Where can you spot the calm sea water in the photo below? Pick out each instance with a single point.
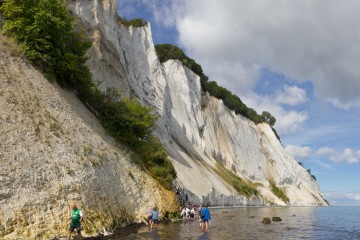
(245, 223)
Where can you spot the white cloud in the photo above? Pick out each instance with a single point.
(343, 196)
(291, 95)
(325, 151)
(298, 152)
(348, 155)
(346, 105)
(305, 40)
(343, 199)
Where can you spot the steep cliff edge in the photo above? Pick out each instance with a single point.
(54, 152)
(206, 142)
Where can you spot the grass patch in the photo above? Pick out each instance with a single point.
(280, 193)
(243, 187)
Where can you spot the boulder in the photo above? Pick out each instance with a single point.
(266, 220)
(276, 219)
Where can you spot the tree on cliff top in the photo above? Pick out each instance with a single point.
(168, 51)
(45, 29)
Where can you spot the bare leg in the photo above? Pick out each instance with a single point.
(68, 236)
(80, 236)
(206, 226)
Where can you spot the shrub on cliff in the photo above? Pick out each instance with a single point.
(168, 51)
(136, 22)
(154, 158)
(47, 33)
(127, 120)
(45, 30)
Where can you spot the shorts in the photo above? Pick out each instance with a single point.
(156, 221)
(149, 218)
(205, 220)
(77, 228)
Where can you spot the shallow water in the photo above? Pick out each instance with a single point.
(245, 223)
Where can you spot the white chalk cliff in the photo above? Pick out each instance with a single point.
(199, 132)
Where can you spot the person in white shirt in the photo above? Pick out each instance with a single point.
(185, 213)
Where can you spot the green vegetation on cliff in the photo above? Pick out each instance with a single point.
(48, 34)
(233, 102)
(168, 51)
(243, 187)
(136, 22)
(278, 192)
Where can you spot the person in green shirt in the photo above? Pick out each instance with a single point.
(75, 224)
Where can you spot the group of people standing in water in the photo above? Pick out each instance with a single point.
(201, 212)
(187, 214)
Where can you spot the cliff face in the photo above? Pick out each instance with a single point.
(54, 152)
(200, 133)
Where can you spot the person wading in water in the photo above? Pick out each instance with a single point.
(155, 217)
(205, 218)
(75, 224)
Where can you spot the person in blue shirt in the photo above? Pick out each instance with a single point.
(155, 217)
(205, 217)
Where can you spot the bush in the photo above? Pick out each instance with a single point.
(127, 120)
(168, 51)
(151, 155)
(136, 22)
(46, 31)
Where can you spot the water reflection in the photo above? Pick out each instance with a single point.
(245, 223)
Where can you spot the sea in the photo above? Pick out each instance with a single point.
(246, 223)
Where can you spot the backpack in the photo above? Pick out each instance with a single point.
(202, 214)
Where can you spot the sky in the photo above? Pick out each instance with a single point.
(296, 59)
